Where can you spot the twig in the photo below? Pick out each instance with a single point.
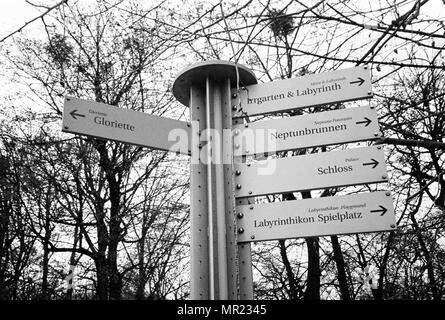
(36, 18)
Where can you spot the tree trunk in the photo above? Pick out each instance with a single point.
(77, 237)
(114, 237)
(341, 272)
(378, 293)
(313, 272)
(100, 259)
(46, 240)
(102, 278)
(293, 292)
(5, 211)
(293, 286)
(45, 261)
(110, 284)
(426, 254)
(140, 291)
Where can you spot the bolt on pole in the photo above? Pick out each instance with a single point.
(244, 254)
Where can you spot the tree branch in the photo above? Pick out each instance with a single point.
(36, 18)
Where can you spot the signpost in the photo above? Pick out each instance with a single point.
(366, 212)
(220, 230)
(317, 129)
(109, 122)
(312, 171)
(311, 90)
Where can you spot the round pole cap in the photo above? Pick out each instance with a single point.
(217, 70)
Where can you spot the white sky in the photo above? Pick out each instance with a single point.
(15, 13)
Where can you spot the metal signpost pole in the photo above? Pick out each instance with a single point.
(205, 88)
(228, 217)
(244, 249)
(198, 203)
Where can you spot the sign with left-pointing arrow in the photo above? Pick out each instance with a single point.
(109, 122)
(316, 129)
(302, 92)
(316, 217)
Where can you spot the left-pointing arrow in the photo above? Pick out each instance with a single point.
(382, 210)
(75, 115)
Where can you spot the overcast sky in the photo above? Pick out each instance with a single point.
(15, 13)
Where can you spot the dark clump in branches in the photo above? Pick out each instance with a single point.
(281, 24)
(59, 49)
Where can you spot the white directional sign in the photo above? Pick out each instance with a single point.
(367, 212)
(317, 129)
(110, 122)
(306, 91)
(313, 171)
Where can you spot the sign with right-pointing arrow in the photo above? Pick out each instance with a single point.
(306, 91)
(312, 171)
(365, 212)
(317, 129)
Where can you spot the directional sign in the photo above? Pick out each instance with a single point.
(367, 212)
(317, 129)
(110, 122)
(313, 171)
(302, 92)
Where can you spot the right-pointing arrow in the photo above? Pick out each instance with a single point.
(360, 81)
(374, 163)
(367, 121)
(382, 210)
